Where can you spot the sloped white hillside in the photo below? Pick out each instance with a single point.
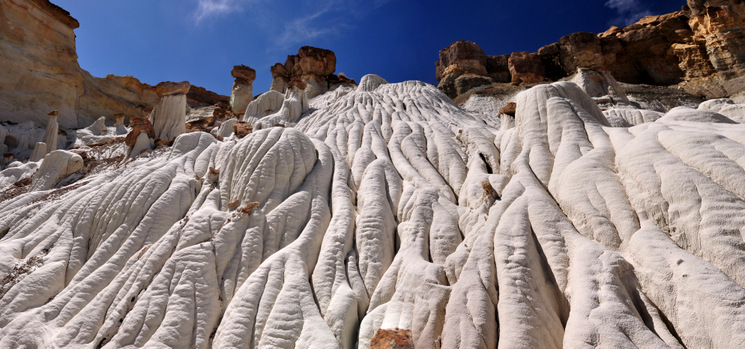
(388, 207)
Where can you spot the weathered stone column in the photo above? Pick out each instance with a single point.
(242, 92)
(50, 135)
(169, 116)
(119, 124)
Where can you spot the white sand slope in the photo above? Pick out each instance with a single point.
(389, 207)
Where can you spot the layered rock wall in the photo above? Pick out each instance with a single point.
(698, 48)
(40, 71)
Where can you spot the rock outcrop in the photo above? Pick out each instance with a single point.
(41, 72)
(719, 25)
(311, 69)
(242, 92)
(699, 49)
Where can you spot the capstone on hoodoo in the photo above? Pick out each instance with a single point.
(311, 69)
(242, 92)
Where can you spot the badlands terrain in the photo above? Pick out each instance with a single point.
(569, 203)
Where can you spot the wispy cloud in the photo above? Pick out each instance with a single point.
(214, 8)
(629, 11)
(303, 29)
(289, 23)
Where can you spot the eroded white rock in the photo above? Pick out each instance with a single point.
(57, 165)
(389, 207)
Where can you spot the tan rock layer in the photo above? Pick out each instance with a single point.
(699, 47)
(41, 72)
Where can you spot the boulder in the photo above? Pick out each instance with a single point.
(139, 125)
(241, 129)
(56, 166)
(392, 339)
(311, 61)
(201, 97)
(243, 74)
(509, 109)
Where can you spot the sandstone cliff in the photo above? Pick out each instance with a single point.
(41, 73)
(698, 49)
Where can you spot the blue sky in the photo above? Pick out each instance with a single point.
(201, 40)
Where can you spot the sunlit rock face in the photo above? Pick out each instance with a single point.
(40, 72)
(386, 214)
(698, 49)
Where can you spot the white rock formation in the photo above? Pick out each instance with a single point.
(315, 86)
(50, 135)
(293, 104)
(98, 127)
(119, 124)
(625, 117)
(9, 176)
(267, 103)
(389, 207)
(142, 143)
(40, 150)
(242, 92)
(225, 129)
(601, 86)
(56, 166)
(3, 134)
(370, 82)
(169, 116)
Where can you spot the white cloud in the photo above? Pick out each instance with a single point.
(290, 23)
(212, 8)
(302, 29)
(629, 11)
